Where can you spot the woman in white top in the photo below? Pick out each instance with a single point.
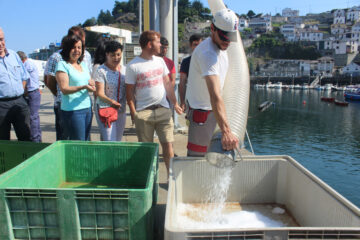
(110, 91)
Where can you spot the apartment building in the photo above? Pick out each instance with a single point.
(352, 69)
(339, 16)
(353, 14)
(260, 25)
(288, 12)
(310, 35)
(290, 32)
(243, 23)
(338, 28)
(325, 66)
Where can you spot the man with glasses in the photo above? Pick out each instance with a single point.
(208, 69)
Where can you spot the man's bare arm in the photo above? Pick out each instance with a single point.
(50, 82)
(229, 140)
(171, 94)
(130, 98)
(182, 90)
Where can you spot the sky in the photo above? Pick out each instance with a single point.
(33, 24)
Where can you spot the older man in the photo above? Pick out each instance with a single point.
(13, 107)
(32, 96)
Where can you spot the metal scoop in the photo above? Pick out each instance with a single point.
(219, 157)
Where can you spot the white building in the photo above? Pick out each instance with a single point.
(341, 46)
(355, 36)
(312, 26)
(289, 32)
(311, 35)
(339, 16)
(356, 28)
(122, 35)
(325, 66)
(338, 28)
(305, 67)
(243, 23)
(328, 43)
(288, 12)
(295, 20)
(260, 25)
(351, 69)
(353, 14)
(285, 68)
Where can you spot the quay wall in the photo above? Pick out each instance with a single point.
(338, 80)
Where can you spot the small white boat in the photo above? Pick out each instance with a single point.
(305, 87)
(277, 85)
(328, 87)
(269, 85)
(297, 86)
(259, 86)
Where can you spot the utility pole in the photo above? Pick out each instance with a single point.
(140, 17)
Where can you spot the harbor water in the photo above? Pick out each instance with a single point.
(323, 137)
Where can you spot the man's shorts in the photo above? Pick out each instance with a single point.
(149, 120)
(201, 129)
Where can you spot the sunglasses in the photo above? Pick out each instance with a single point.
(226, 36)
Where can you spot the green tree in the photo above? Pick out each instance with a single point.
(184, 10)
(105, 18)
(89, 22)
(250, 14)
(125, 7)
(198, 7)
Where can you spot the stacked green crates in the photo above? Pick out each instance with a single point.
(13, 153)
(81, 190)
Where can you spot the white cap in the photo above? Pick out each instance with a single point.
(226, 20)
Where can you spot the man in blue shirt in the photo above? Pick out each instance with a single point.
(32, 96)
(13, 107)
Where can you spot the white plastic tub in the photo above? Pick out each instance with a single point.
(314, 209)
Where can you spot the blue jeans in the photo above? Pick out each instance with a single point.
(77, 124)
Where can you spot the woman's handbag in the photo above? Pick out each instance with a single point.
(109, 114)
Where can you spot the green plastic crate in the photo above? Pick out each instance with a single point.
(13, 153)
(81, 190)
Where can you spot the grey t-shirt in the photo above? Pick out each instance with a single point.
(110, 79)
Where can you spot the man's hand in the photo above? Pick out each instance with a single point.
(229, 141)
(132, 115)
(183, 107)
(178, 109)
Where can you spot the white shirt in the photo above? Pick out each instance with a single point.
(207, 59)
(147, 75)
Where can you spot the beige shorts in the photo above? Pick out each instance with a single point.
(159, 120)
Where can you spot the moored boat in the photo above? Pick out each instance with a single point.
(327, 99)
(265, 105)
(341, 103)
(352, 95)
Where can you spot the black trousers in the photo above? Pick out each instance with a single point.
(16, 112)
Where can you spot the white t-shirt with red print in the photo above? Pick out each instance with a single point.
(147, 76)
